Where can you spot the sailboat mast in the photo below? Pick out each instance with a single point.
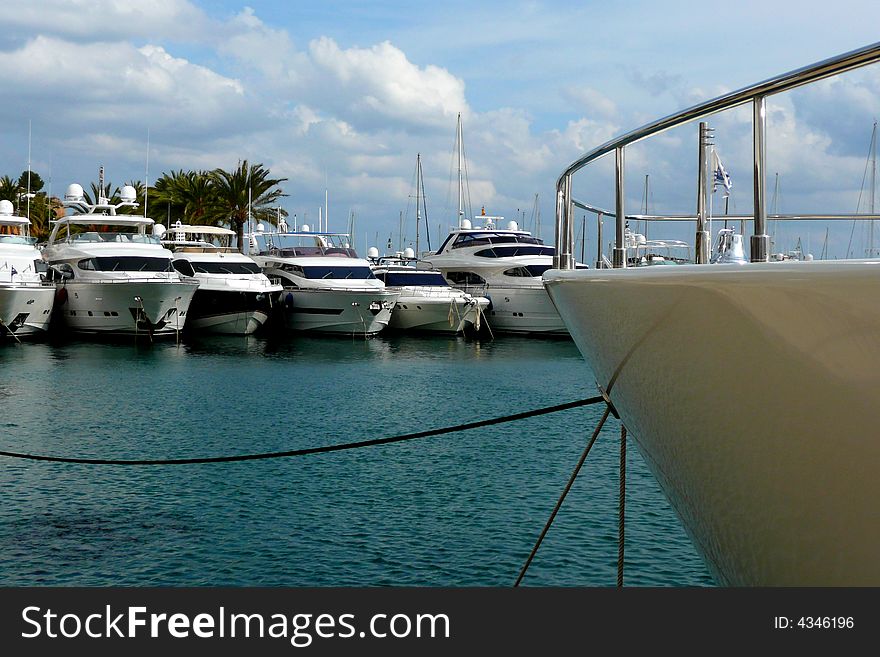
(418, 207)
(460, 190)
(425, 207)
(873, 187)
(29, 171)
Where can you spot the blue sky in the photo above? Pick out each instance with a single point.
(346, 93)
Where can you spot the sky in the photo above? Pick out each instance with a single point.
(342, 95)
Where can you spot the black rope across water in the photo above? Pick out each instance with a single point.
(312, 450)
(574, 474)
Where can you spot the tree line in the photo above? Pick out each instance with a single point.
(213, 198)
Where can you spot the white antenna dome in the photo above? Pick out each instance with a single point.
(409, 253)
(512, 225)
(6, 207)
(466, 224)
(128, 194)
(74, 193)
(372, 252)
(158, 230)
(305, 228)
(260, 228)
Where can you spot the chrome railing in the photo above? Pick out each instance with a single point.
(755, 94)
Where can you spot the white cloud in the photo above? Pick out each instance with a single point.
(591, 102)
(368, 85)
(102, 20)
(95, 86)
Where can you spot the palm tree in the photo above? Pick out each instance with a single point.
(9, 189)
(234, 189)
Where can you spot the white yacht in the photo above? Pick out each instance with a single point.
(427, 302)
(112, 275)
(25, 300)
(505, 265)
(234, 296)
(750, 388)
(327, 287)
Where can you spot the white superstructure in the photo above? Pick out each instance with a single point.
(112, 275)
(25, 300)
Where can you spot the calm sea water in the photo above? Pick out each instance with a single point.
(455, 510)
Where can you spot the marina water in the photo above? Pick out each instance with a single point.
(461, 509)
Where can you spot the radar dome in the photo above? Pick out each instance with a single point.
(6, 207)
(305, 228)
(372, 252)
(128, 194)
(260, 228)
(512, 225)
(158, 230)
(409, 253)
(74, 193)
(466, 224)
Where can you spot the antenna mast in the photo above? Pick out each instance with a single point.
(418, 207)
(460, 190)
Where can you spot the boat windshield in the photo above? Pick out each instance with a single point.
(403, 278)
(330, 272)
(487, 237)
(226, 267)
(125, 263)
(17, 239)
(513, 251)
(295, 244)
(108, 236)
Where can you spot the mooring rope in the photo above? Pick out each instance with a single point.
(574, 474)
(316, 450)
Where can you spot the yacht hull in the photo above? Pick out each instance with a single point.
(521, 309)
(752, 392)
(436, 314)
(230, 312)
(25, 309)
(350, 312)
(151, 306)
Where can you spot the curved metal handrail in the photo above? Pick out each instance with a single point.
(755, 93)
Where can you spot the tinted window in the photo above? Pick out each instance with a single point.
(408, 278)
(511, 251)
(465, 278)
(128, 263)
(226, 267)
(338, 273)
(183, 267)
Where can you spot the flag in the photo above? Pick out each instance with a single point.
(721, 176)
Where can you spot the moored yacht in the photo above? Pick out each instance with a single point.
(112, 275)
(234, 296)
(327, 287)
(427, 302)
(750, 388)
(25, 300)
(505, 265)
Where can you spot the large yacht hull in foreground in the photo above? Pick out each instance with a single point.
(752, 392)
